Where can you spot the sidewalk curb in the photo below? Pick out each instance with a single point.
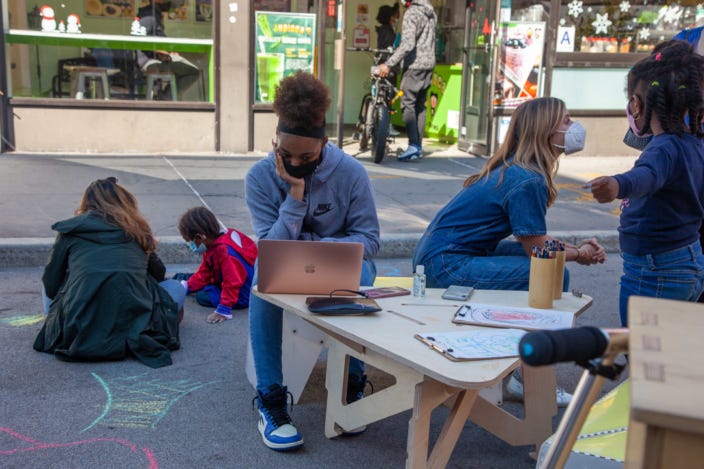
(34, 252)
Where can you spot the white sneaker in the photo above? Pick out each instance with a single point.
(514, 390)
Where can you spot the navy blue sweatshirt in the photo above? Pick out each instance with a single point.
(663, 196)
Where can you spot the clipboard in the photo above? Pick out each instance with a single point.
(475, 344)
(529, 319)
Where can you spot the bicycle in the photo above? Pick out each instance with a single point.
(593, 349)
(375, 113)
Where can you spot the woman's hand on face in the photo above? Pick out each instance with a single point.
(298, 185)
(604, 188)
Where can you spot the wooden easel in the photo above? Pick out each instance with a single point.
(666, 428)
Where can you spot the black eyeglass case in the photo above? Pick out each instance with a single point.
(342, 305)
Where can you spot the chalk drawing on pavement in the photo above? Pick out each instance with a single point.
(23, 320)
(136, 402)
(29, 445)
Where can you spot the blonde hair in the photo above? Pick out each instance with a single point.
(528, 142)
(117, 206)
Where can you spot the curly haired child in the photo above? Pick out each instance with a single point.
(224, 278)
(663, 195)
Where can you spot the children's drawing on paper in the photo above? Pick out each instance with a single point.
(523, 318)
(72, 453)
(476, 344)
(140, 402)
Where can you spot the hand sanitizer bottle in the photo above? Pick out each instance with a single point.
(419, 282)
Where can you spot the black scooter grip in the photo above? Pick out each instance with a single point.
(564, 345)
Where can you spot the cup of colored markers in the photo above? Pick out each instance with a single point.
(542, 278)
(558, 250)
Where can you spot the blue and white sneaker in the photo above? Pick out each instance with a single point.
(412, 153)
(278, 433)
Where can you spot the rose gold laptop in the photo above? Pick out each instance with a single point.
(309, 267)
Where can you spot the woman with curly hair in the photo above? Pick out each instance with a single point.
(103, 298)
(306, 189)
(662, 197)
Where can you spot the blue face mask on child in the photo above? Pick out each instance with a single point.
(197, 249)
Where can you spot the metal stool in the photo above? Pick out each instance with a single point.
(96, 79)
(159, 80)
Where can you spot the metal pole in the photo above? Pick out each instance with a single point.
(7, 128)
(340, 50)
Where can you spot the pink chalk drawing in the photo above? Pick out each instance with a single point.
(30, 445)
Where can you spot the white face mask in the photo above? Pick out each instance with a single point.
(575, 136)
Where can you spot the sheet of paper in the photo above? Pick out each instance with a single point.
(522, 318)
(475, 344)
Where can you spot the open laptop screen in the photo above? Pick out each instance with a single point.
(308, 267)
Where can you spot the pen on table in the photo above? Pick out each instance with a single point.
(429, 304)
(406, 317)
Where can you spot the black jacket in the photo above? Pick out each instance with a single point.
(105, 305)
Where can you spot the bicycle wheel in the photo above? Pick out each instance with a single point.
(381, 132)
(363, 125)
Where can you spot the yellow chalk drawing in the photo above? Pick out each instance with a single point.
(24, 320)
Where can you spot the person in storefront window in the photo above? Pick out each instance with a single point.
(467, 241)
(387, 17)
(306, 189)
(151, 16)
(417, 51)
(663, 195)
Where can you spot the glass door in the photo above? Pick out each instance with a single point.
(478, 81)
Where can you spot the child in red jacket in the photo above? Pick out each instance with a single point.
(224, 278)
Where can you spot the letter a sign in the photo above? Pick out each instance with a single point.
(565, 39)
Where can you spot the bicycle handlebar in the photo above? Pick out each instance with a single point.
(368, 49)
(578, 344)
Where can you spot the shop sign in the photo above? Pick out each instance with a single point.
(565, 39)
(284, 44)
(520, 62)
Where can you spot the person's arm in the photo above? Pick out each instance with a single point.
(408, 41)
(234, 275)
(362, 223)
(407, 44)
(201, 278)
(275, 214)
(587, 253)
(526, 206)
(649, 175)
(57, 267)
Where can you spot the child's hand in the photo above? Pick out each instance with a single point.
(222, 313)
(604, 188)
(215, 318)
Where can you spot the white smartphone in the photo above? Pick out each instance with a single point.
(457, 292)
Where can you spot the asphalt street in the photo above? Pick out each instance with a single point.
(198, 412)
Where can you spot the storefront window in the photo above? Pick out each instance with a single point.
(621, 27)
(111, 49)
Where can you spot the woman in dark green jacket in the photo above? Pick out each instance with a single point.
(106, 303)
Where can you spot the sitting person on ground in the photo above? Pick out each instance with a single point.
(306, 189)
(466, 243)
(103, 300)
(224, 279)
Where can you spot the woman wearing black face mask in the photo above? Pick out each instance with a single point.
(306, 189)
